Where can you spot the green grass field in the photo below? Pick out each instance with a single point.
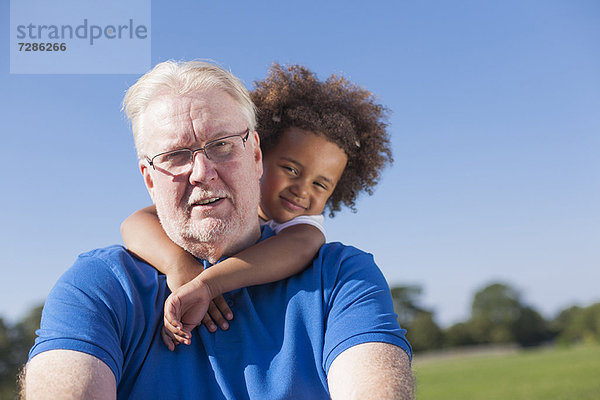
(550, 373)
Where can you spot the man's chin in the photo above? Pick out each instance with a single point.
(208, 230)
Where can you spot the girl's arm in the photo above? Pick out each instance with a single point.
(143, 235)
(273, 259)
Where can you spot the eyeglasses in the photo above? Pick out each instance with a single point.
(219, 150)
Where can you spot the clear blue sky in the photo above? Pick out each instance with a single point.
(495, 131)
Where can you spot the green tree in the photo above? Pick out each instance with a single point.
(8, 372)
(5, 364)
(460, 334)
(563, 319)
(15, 342)
(406, 303)
(424, 333)
(499, 316)
(576, 325)
(494, 312)
(24, 335)
(531, 328)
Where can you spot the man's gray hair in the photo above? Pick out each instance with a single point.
(181, 78)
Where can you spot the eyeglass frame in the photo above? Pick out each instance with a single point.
(244, 136)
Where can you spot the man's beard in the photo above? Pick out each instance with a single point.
(196, 234)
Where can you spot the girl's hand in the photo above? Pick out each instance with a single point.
(188, 307)
(184, 310)
(218, 315)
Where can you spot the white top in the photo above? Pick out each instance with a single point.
(315, 220)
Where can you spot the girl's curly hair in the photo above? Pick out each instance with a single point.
(342, 112)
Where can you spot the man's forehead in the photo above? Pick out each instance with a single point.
(197, 116)
(192, 105)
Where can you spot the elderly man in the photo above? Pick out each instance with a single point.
(329, 331)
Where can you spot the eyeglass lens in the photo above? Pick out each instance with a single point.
(221, 150)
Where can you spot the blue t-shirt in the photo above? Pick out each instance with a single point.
(281, 343)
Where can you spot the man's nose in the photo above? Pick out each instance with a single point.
(203, 170)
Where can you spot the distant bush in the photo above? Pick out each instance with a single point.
(578, 325)
(15, 342)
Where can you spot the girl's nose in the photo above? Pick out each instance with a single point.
(299, 189)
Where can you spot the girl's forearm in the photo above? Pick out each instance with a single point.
(273, 259)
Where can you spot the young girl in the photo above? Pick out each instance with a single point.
(323, 143)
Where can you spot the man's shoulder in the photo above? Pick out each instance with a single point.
(115, 255)
(337, 260)
(108, 252)
(109, 275)
(333, 251)
(113, 260)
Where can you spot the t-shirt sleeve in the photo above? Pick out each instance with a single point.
(82, 315)
(318, 221)
(359, 306)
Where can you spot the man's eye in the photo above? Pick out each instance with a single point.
(220, 149)
(176, 158)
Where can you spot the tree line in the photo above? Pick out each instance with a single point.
(15, 342)
(498, 316)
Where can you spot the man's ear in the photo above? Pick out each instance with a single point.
(257, 153)
(145, 171)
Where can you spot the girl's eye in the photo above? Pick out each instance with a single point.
(290, 169)
(319, 184)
